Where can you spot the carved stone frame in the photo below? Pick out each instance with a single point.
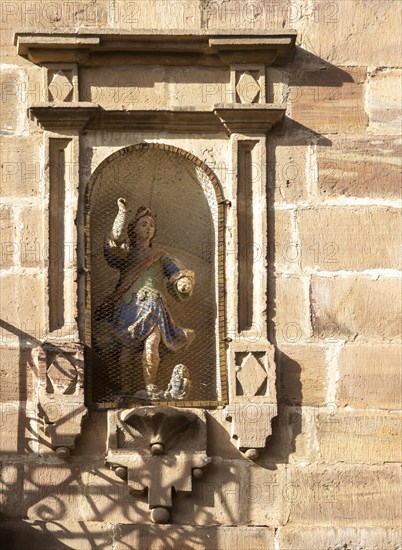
(219, 252)
(246, 120)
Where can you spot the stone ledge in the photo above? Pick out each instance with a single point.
(175, 48)
(91, 116)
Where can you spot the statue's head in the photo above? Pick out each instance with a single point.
(142, 227)
(180, 370)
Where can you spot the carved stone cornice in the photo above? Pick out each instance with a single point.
(222, 119)
(174, 48)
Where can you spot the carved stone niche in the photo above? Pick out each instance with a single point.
(157, 449)
(216, 142)
(61, 394)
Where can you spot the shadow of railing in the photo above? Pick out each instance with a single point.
(84, 491)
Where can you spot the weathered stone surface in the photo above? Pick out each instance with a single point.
(349, 308)
(40, 16)
(347, 32)
(16, 374)
(139, 537)
(32, 251)
(277, 449)
(343, 495)
(233, 492)
(12, 428)
(59, 535)
(220, 442)
(303, 374)
(288, 299)
(165, 444)
(352, 538)
(13, 101)
(370, 376)
(93, 437)
(231, 14)
(22, 305)
(63, 416)
(155, 14)
(360, 166)
(287, 170)
(282, 246)
(385, 91)
(294, 437)
(8, 238)
(346, 237)
(252, 421)
(358, 436)
(20, 165)
(325, 500)
(18, 428)
(83, 491)
(351, 31)
(161, 87)
(329, 100)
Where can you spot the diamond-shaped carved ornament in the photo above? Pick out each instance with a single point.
(247, 88)
(251, 375)
(62, 374)
(60, 87)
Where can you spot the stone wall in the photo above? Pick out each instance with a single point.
(330, 475)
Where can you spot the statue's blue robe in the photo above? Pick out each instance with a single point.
(143, 306)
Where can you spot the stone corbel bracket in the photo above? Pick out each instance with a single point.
(61, 393)
(253, 402)
(157, 449)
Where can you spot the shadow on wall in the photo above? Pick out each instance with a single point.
(14, 414)
(81, 489)
(284, 186)
(20, 535)
(313, 82)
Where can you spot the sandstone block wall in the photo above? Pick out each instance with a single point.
(330, 475)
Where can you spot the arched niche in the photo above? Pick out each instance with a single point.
(185, 197)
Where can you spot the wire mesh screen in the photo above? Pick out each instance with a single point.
(154, 323)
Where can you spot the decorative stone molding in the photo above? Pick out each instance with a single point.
(252, 395)
(156, 450)
(248, 88)
(222, 119)
(175, 48)
(61, 80)
(61, 393)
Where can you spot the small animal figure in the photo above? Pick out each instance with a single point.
(179, 385)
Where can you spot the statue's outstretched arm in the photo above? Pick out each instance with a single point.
(116, 241)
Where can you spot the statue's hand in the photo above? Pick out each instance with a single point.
(184, 285)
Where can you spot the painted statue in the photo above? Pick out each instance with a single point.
(137, 309)
(179, 385)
